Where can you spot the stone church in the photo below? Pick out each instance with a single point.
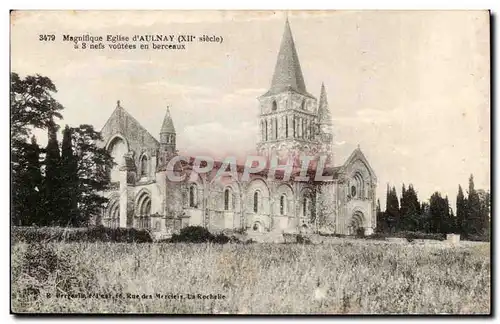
(292, 122)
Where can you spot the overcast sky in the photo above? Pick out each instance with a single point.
(411, 88)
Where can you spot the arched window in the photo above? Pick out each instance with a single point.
(144, 166)
(117, 149)
(256, 202)
(143, 211)
(358, 187)
(303, 106)
(275, 105)
(192, 196)
(283, 205)
(112, 214)
(276, 128)
(306, 206)
(227, 195)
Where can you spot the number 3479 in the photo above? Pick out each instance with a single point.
(46, 38)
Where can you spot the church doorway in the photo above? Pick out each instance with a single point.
(356, 224)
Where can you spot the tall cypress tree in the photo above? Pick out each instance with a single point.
(50, 214)
(473, 220)
(34, 178)
(26, 183)
(381, 221)
(69, 185)
(392, 209)
(411, 208)
(403, 209)
(437, 209)
(448, 219)
(461, 212)
(485, 205)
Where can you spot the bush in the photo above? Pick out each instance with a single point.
(477, 238)
(199, 234)
(332, 235)
(303, 239)
(360, 232)
(90, 234)
(377, 236)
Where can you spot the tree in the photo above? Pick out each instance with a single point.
(392, 209)
(27, 181)
(70, 181)
(425, 217)
(403, 202)
(461, 212)
(410, 210)
(440, 218)
(381, 221)
(93, 165)
(31, 106)
(485, 209)
(473, 220)
(52, 184)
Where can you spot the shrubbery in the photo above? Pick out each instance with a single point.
(410, 236)
(90, 234)
(198, 234)
(477, 238)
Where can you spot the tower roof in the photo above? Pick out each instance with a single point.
(168, 124)
(324, 116)
(287, 72)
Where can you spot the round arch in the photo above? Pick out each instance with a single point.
(357, 222)
(143, 209)
(112, 212)
(117, 146)
(113, 138)
(284, 199)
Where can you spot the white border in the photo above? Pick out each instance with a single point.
(187, 4)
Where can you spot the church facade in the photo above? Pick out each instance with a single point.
(292, 123)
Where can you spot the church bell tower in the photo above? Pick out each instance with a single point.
(288, 121)
(167, 134)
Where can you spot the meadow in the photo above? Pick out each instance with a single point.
(341, 277)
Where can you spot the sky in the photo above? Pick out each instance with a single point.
(411, 89)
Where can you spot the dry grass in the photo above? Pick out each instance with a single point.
(345, 277)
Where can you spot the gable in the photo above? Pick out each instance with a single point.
(138, 139)
(357, 162)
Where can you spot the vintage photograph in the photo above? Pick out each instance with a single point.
(250, 162)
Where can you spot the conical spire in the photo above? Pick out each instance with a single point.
(168, 124)
(324, 116)
(287, 73)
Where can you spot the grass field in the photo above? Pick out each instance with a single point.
(342, 278)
